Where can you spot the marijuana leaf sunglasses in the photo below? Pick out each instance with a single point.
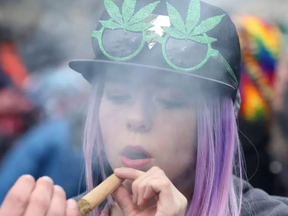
(157, 28)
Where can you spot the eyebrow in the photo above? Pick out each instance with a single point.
(117, 77)
(161, 80)
(175, 82)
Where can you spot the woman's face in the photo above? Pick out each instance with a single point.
(147, 121)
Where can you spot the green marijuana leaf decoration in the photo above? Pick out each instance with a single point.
(190, 28)
(174, 32)
(111, 24)
(207, 25)
(113, 11)
(193, 18)
(143, 13)
(128, 9)
(203, 39)
(128, 20)
(176, 19)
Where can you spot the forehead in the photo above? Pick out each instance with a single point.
(146, 77)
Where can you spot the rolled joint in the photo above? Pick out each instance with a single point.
(84, 207)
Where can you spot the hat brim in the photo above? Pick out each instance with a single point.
(89, 68)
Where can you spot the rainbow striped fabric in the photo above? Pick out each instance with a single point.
(261, 47)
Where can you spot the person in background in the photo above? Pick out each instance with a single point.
(261, 45)
(44, 41)
(17, 112)
(53, 147)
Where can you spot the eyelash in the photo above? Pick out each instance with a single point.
(170, 104)
(118, 99)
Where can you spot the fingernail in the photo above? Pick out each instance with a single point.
(71, 204)
(47, 179)
(29, 177)
(117, 169)
(145, 195)
(58, 188)
(139, 201)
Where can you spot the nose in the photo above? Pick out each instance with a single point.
(138, 119)
(138, 125)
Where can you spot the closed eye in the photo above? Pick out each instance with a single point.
(171, 103)
(118, 98)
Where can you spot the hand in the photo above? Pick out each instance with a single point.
(146, 186)
(41, 198)
(13, 102)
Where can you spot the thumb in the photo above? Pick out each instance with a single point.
(124, 200)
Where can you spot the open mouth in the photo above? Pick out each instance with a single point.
(135, 153)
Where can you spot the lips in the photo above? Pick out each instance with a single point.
(135, 157)
(135, 152)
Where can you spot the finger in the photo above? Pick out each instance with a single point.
(40, 198)
(167, 203)
(128, 173)
(164, 190)
(124, 200)
(71, 208)
(138, 176)
(141, 188)
(138, 186)
(58, 203)
(149, 192)
(17, 198)
(131, 174)
(152, 210)
(170, 200)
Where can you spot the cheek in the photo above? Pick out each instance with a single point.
(178, 141)
(111, 125)
(180, 129)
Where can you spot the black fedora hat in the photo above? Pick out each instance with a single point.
(187, 37)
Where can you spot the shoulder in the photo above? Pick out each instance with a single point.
(258, 203)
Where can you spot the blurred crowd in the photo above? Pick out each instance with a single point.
(42, 104)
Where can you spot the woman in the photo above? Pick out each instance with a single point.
(161, 115)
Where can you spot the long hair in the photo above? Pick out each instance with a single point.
(218, 156)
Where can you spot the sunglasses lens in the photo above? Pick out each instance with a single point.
(121, 44)
(185, 53)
